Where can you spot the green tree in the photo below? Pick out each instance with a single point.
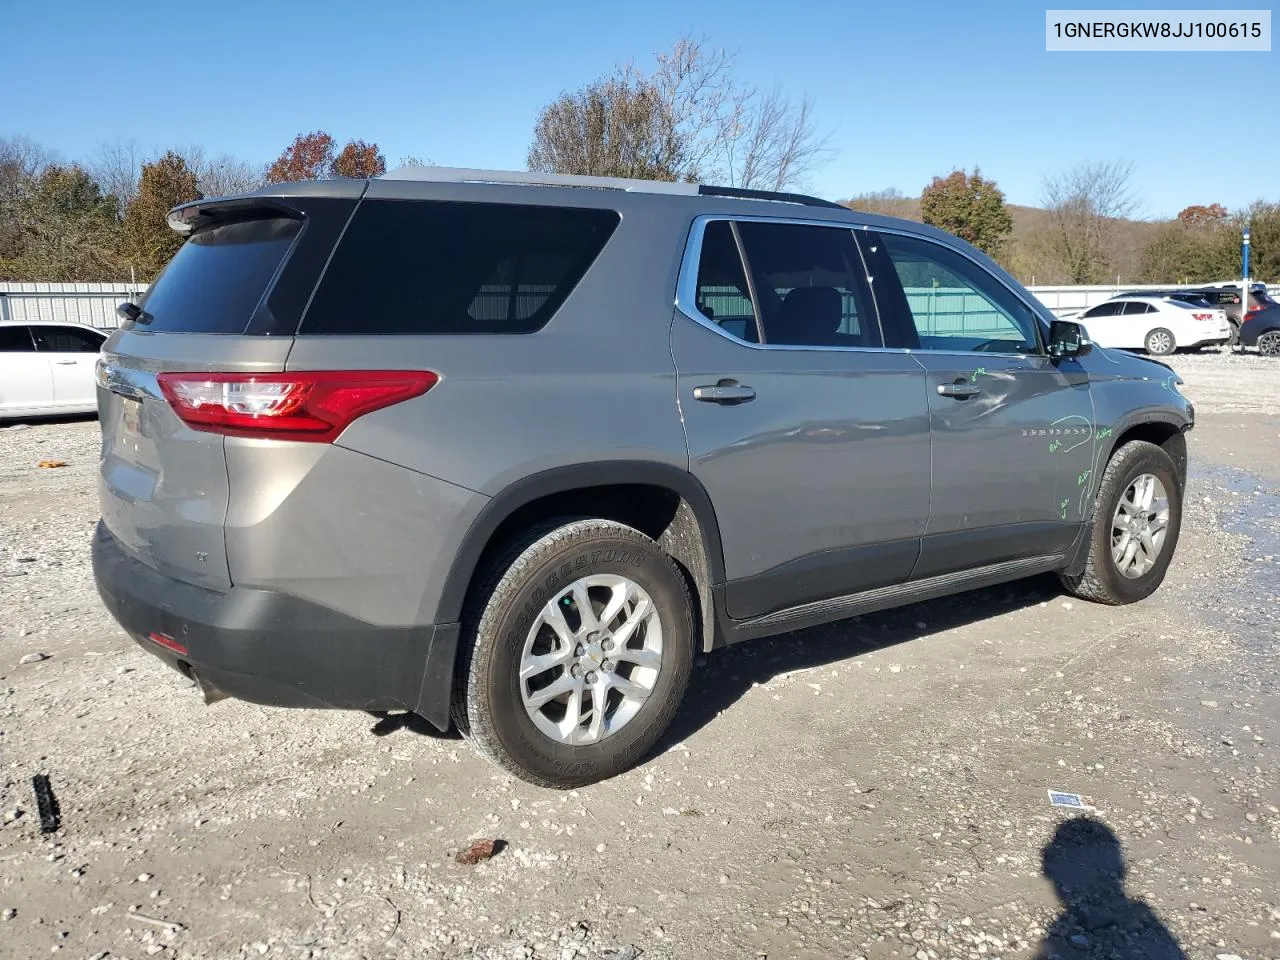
(64, 229)
(149, 241)
(970, 206)
(1263, 220)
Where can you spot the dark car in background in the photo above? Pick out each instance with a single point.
(1262, 330)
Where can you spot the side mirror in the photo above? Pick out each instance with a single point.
(1068, 339)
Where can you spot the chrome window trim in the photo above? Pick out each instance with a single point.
(687, 286)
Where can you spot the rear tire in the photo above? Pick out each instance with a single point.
(620, 680)
(1269, 343)
(1107, 578)
(1233, 339)
(1160, 343)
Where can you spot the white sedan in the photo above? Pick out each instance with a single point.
(47, 368)
(1157, 325)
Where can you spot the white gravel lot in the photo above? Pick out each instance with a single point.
(876, 788)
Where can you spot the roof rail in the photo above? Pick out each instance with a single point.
(518, 177)
(742, 193)
(465, 175)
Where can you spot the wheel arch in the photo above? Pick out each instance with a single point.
(664, 502)
(1164, 430)
(1161, 428)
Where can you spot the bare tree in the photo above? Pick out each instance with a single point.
(116, 166)
(774, 143)
(23, 156)
(1084, 203)
(689, 119)
(225, 175)
(221, 176)
(22, 160)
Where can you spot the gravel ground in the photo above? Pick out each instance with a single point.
(876, 788)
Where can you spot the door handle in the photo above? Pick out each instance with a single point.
(725, 391)
(66, 363)
(960, 390)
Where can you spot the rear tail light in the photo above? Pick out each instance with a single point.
(313, 406)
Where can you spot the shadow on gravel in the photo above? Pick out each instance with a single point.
(389, 723)
(22, 423)
(1085, 864)
(730, 673)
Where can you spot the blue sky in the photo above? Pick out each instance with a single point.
(907, 89)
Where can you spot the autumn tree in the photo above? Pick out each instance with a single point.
(969, 206)
(688, 119)
(163, 185)
(359, 160)
(1196, 215)
(309, 157)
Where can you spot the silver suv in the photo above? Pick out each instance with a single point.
(509, 451)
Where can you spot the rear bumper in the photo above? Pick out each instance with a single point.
(275, 649)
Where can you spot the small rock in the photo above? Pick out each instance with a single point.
(33, 658)
(144, 877)
(9, 913)
(1066, 605)
(1251, 817)
(1228, 956)
(1080, 941)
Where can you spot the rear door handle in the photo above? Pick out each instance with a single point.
(726, 391)
(66, 363)
(960, 390)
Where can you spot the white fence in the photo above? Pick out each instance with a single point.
(95, 303)
(89, 303)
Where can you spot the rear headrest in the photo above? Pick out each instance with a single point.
(811, 315)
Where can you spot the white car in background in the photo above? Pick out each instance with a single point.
(48, 368)
(1158, 325)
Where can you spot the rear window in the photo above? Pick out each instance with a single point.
(216, 280)
(431, 267)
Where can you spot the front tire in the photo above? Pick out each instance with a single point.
(582, 646)
(1160, 342)
(1136, 520)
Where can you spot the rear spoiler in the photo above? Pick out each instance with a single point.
(203, 213)
(270, 201)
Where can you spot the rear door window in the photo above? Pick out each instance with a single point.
(723, 294)
(432, 267)
(16, 340)
(811, 285)
(216, 280)
(54, 339)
